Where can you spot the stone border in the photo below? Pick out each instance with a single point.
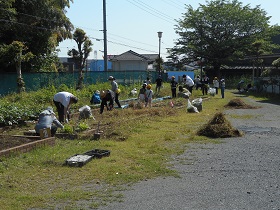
(29, 146)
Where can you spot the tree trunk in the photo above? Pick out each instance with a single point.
(20, 82)
(80, 80)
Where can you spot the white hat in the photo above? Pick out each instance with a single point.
(110, 78)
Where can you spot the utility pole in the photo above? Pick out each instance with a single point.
(105, 37)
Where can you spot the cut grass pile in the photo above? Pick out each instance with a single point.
(218, 127)
(237, 103)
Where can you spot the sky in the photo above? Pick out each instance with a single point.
(133, 24)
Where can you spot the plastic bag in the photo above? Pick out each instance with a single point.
(85, 112)
(197, 103)
(212, 91)
(191, 108)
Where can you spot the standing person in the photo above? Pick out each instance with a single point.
(142, 93)
(223, 87)
(189, 83)
(107, 96)
(149, 96)
(197, 82)
(173, 85)
(216, 84)
(148, 81)
(47, 119)
(115, 89)
(158, 84)
(63, 101)
(205, 84)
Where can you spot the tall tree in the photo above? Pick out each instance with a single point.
(220, 30)
(16, 54)
(81, 54)
(41, 25)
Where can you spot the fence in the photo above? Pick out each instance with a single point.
(35, 81)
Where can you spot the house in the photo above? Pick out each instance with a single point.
(132, 61)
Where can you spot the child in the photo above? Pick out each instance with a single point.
(149, 96)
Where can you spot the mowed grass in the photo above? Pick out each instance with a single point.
(39, 179)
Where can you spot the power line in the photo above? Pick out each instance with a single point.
(151, 12)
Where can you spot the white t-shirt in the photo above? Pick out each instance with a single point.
(63, 98)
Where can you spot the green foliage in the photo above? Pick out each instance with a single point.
(82, 126)
(41, 34)
(219, 30)
(68, 129)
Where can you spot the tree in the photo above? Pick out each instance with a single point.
(41, 25)
(220, 31)
(15, 53)
(81, 54)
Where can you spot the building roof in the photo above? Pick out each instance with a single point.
(133, 56)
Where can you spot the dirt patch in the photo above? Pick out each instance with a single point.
(7, 142)
(237, 103)
(218, 127)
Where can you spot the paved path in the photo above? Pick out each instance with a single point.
(241, 173)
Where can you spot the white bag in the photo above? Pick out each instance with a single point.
(212, 91)
(85, 112)
(191, 108)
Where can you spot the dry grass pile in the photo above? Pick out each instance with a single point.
(218, 127)
(237, 103)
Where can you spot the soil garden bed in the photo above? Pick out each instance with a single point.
(20, 144)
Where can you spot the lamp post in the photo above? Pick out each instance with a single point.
(105, 36)
(159, 39)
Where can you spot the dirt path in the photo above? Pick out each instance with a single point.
(240, 173)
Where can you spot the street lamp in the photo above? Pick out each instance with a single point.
(159, 37)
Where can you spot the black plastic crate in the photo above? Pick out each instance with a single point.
(98, 153)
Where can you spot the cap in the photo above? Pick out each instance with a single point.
(110, 78)
(173, 77)
(103, 93)
(97, 92)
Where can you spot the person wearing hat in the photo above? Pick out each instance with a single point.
(115, 89)
(95, 99)
(47, 119)
(216, 84)
(173, 85)
(107, 96)
(63, 101)
(149, 96)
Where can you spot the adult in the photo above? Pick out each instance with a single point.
(205, 84)
(216, 84)
(63, 101)
(95, 99)
(184, 92)
(142, 93)
(158, 84)
(189, 83)
(197, 82)
(223, 87)
(173, 85)
(115, 89)
(148, 81)
(107, 96)
(47, 119)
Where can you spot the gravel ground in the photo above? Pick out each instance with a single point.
(240, 173)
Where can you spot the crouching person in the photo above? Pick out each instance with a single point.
(47, 119)
(107, 96)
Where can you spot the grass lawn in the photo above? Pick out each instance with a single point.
(141, 142)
